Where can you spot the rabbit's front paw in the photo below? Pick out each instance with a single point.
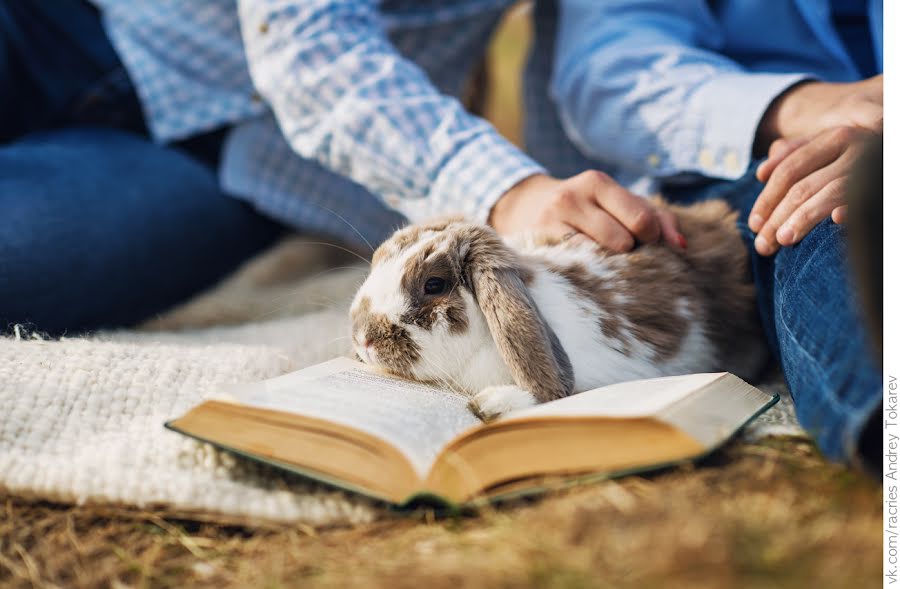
(497, 401)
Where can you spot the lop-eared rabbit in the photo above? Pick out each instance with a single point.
(514, 322)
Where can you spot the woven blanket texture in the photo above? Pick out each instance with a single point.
(82, 419)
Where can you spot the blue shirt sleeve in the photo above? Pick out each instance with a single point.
(345, 97)
(643, 85)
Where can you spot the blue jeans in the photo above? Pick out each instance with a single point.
(99, 226)
(812, 324)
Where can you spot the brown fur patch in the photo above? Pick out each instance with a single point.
(601, 293)
(410, 235)
(393, 345)
(655, 284)
(426, 309)
(640, 300)
(483, 249)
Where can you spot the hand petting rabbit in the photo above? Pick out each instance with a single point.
(520, 321)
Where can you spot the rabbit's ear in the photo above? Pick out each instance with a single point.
(529, 347)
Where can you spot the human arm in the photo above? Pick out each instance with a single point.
(636, 81)
(815, 133)
(344, 97)
(809, 108)
(644, 85)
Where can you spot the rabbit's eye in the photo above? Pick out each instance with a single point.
(435, 285)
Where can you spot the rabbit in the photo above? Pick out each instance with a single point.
(525, 320)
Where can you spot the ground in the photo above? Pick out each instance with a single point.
(772, 514)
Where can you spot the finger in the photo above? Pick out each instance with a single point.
(839, 215)
(780, 149)
(767, 242)
(604, 229)
(796, 166)
(812, 212)
(828, 183)
(671, 233)
(799, 194)
(636, 214)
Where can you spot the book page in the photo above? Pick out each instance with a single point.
(637, 398)
(712, 416)
(417, 419)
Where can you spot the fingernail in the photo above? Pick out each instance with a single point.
(682, 242)
(755, 222)
(762, 245)
(785, 235)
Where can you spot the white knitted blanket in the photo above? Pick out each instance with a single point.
(81, 418)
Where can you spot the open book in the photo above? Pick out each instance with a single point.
(343, 423)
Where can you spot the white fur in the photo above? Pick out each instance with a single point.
(696, 353)
(499, 400)
(468, 361)
(383, 288)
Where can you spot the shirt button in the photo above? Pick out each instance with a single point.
(255, 97)
(264, 27)
(732, 163)
(653, 160)
(706, 158)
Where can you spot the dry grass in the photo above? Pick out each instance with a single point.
(769, 515)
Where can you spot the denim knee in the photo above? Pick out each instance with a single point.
(824, 346)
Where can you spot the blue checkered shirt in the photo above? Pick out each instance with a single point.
(327, 102)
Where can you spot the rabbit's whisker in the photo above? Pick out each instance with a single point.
(458, 387)
(336, 246)
(348, 223)
(299, 289)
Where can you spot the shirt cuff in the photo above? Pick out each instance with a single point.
(726, 113)
(474, 179)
